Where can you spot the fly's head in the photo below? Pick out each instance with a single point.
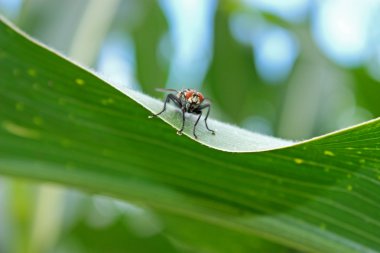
(193, 99)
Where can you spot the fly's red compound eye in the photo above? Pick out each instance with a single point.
(189, 94)
(194, 96)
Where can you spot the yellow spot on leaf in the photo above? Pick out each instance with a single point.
(328, 153)
(69, 166)
(349, 187)
(61, 101)
(107, 101)
(106, 152)
(20, 107)
(65, 143)
(362, 161)
(79, 81)
(32, 72)
(20, 130)
(298, 160)
(38, 121)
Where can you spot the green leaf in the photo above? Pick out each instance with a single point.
(61, 123)
(147, 36)
(234, 66)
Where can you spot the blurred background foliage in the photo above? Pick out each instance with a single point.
(293, 69)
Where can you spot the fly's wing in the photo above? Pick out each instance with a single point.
(165, 90)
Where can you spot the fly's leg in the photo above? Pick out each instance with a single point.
(196, 123)
(208, 112)
(169, 97)
(179, 132)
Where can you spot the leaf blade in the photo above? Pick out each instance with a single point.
(62, 123)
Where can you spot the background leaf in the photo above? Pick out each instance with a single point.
(62, 123)
(147, 36)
